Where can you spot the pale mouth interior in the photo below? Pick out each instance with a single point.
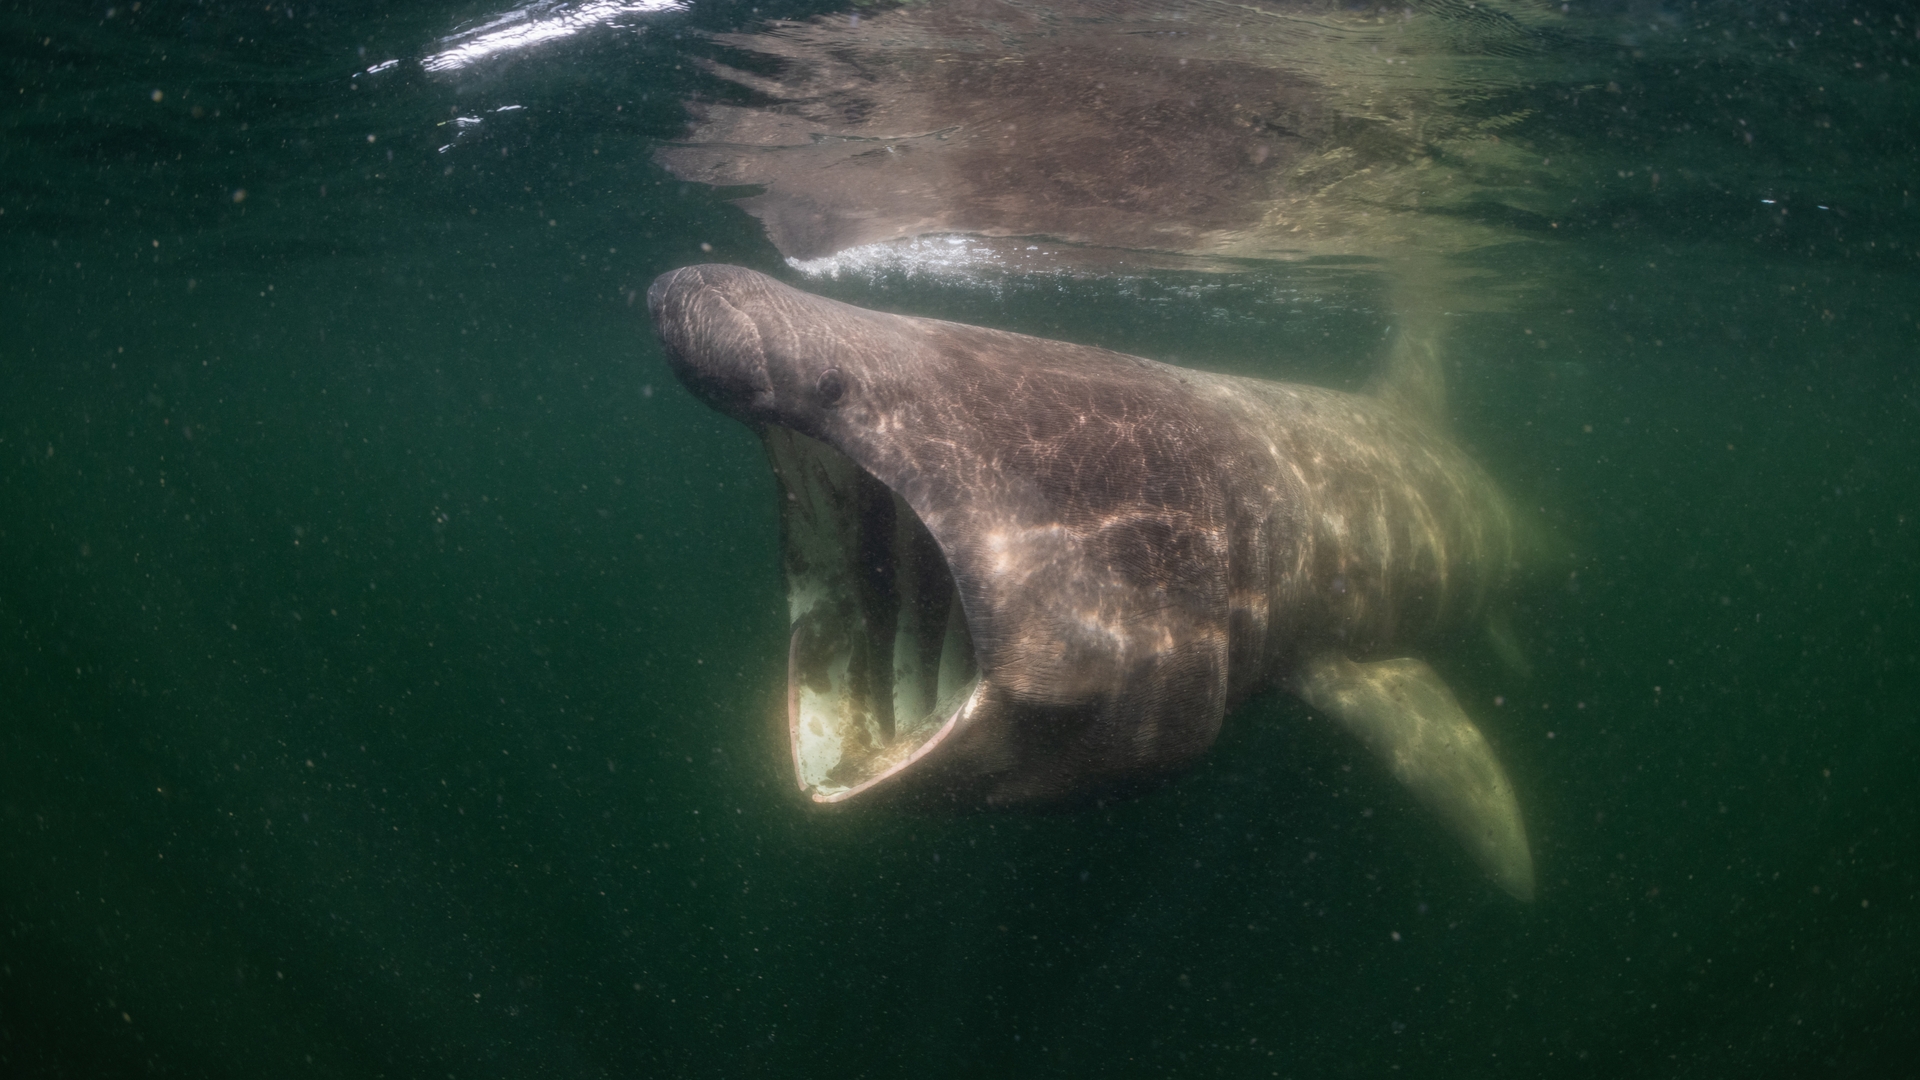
(880, 666)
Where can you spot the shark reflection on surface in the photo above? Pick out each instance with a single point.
(1263, 131)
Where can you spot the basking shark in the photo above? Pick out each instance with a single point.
(1022, 570)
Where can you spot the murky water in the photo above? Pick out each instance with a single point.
(391, 652)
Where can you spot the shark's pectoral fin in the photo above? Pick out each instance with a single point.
(1403, 712)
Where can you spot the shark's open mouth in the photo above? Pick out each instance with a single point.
(880, 667)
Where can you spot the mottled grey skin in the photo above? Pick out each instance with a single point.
(1135, 548)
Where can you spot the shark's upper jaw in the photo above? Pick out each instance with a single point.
(881, 667)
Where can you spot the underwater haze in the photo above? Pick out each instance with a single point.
(393, 654)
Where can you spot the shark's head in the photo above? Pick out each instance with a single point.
(1004, 555)
(764, 353)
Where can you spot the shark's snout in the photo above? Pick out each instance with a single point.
(713, 345)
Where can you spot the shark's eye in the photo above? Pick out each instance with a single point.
(831, 387)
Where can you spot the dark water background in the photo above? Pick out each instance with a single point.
(389, 649)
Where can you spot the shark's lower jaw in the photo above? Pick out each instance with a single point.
(880, 666)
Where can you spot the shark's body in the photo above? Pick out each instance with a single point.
(1023, 569)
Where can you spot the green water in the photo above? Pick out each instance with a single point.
(391, 652)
